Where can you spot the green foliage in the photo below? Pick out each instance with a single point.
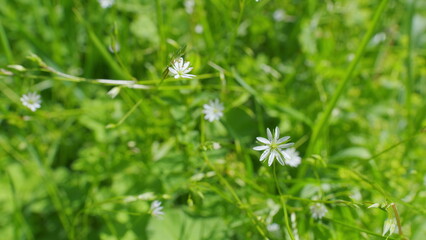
(345, 79)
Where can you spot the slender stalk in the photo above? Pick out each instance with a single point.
(5, 45)
(325, 115)
(284, 205)
(241, 205)
(398, 220)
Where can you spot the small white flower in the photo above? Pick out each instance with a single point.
(156, 209)
(31, 101)
(180, 69)
(189, 6)
(213, 111)
(294, 159)
(273, 227)
(318, 210)
(273, 147)
(106, 3)
(199, 28)
(389, 226)
(279, 15)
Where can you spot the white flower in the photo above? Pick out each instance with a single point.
(279, 15)
(294, 159)
(389, 226)
(318, 210)
(213, 111)
(199, 28)
(189, 6)
(273, 147)
(273, 227)
(156, 209)
(106, 3)
(31, 101)
(180, 69)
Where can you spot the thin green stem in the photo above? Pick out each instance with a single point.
(240, 204)
(284, 205)
(323, 118)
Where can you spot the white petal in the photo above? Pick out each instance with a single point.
(264, 154)
(277, 134)
(286, 156)
(283, 139)
(269, 134)
(271, 158)
(260, 148)
(263, 140)
(285, 145)
(280, 159)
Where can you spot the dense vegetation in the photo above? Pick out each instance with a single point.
(120, 148)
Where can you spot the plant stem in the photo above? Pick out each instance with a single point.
(287, 225)
(398, 220)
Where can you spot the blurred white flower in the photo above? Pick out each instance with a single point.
(389, 226)
(189, 6)
(294, 159)
(294, 226)
(273, 227)
(273, 147)
(318, 210)
(180, 69)
(213, 111)
(31, 101)
(156, 209)
(114, 48)
(216, 146)
(106, 3)
(279, 15)
(146, 196)
(199, 28)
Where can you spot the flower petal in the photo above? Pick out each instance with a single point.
(285, 145)
(269, 134)
(260, 148)
(277, 134)
(271, 158)
(283, 139)
(280, 158)
(264, 154)
(263, 140)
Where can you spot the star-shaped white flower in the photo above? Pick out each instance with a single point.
(318, 210)
(180, 69)
(294, 159)
(156, 209)
(213, 111)
(273, 147)
(31, 101)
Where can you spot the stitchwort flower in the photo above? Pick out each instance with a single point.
(156, 209)
(213, 111)
(31, 101)
(294, 159)
(318, 210)
(180, 69)
(273, 147)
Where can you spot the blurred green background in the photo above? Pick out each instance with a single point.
(345, 79)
